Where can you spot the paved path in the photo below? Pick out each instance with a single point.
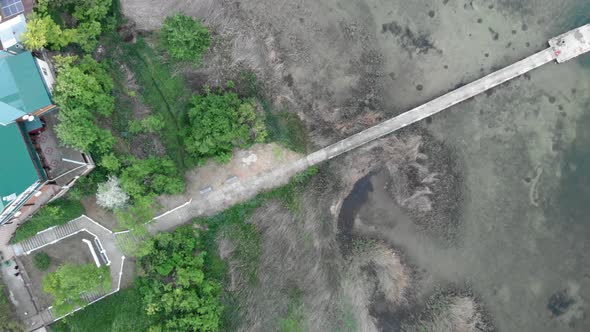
(563, 47)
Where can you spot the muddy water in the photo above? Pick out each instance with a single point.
(524, 147)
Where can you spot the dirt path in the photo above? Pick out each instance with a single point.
(245, 165)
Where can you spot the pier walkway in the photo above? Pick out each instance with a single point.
(562, 48)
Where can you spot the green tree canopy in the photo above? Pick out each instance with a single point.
(84, 28)
(218, 122)
(42, 31)
(175, 289)
(69, 281)
(83, 88)
(151, 176)
(184, 38)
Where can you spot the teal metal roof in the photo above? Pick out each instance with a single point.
(9, 113)
(17, 171)
(21, 87)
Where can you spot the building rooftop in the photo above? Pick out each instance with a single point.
(21, 87)
(22, 91)
(11, 31)
(17, 171)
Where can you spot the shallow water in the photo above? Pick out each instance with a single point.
(525, 151)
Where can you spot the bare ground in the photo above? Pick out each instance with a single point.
(244, 164)
(70, 250)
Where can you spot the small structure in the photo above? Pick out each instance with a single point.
(571, 44)
(12, 8)
(32, 162)
(11, 31)
(12, 21)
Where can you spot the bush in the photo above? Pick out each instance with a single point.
(41, 261)
(110, 162)
(150, 124)
(69, 282)
(83, 92)
(43, 31)
(175, 290)
(151, 176)
(184, 38)
(218, 122)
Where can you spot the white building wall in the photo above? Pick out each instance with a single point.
(46, 73)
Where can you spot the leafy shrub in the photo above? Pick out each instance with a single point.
(83, 91)
(218, 122)
(110, 162)
(41, 261)
(87, 15)
(69, 281)
(176, 292)
(151, 176)
(150, 124)
(184, 38)
(43, 31)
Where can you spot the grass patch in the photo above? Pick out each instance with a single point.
(285, 128)
(295, 320)
(164, 92)
(231, 223)
(8, 320)
(347, 320)
(55, 213)
(248, 246)
(122, 311)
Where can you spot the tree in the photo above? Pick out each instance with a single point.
(151, 176)
(90, 10)
(137, 214)
(86, 35)
(43, 31)
(184, 38)
(110, 195)
(110, 162)
(41, 261)
(175, 290)
(83, 91)
(87, 17)
(218, 122)
(69, 282)
(138, 242)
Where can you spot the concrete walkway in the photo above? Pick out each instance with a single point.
(563, 47)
